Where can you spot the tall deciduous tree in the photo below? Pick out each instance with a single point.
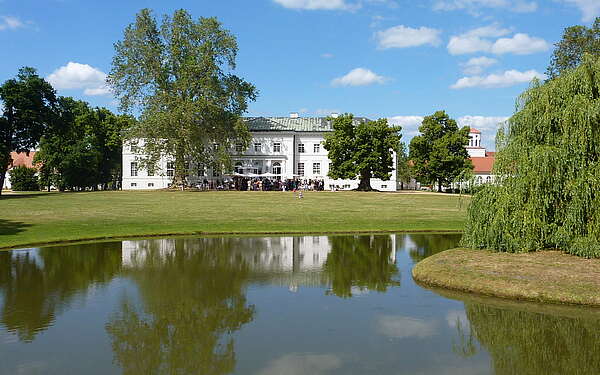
(575, 42)
(404, 167)
(362, 149)
(439, 153)
(178, 75)
(548, 165)
(27, 105)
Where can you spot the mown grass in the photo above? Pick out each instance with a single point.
(36, 218)
(542, 276)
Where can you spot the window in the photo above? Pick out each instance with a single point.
(134, 148)
(301, 148)
(384, 186)
(238, 147)
(134, 169)
(488, 179)
(238, 167)
(170, 169)
(317, 168)
(277, 168)
(317, 148)
(276, 147)
(150, 184)
(133, 184)
(300, 169)
(186, 168)
(258, 147)
(215, 146)
(479, 180)
(150, 171)
(201, 170)
(215, 173)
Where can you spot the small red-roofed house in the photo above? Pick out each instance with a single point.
(19, 159)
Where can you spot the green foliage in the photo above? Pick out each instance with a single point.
(178, 76)
(439, 153)
(548, 166)
(82, 147)
(404, 168)
(576, 41)
(24, 179)
(27, 103)
(361, 149)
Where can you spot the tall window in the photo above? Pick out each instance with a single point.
(276, 147)
(238, 167)
(317, 148)
(134, 148)
(258, 147)
(238, 147)
(301, 148)
(201, 170)
(301, 169)
(215, 146)
(316, 169)
(150, 171)
(277, 168)
(170, 169)
(186, 168)
(134, 169)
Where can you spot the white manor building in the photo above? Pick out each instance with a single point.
(483, 160)
(282, 148)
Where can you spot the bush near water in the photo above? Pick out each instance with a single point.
(548, 171)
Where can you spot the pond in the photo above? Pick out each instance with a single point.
(270, 305)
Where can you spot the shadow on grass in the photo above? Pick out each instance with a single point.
(20, 195)
(12, 227)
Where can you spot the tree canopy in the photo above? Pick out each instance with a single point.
(27, 103)
(362, 149)
(82, 146)
(178, 76)
(548, 169)
(576, 41)
(439, 153)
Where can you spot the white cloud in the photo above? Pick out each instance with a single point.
(477, 65)
(317, 4)
(477, 40)
(10, 23)
(402, 36)
(79, 76)
(473, 6)
(520, 44)
(327, 55)
(300, 364)
(359, 77)
(397, 326)
(486, 124)
(473, 41)
(506, 79)
(590, 9)
(326, 111)
(410, 124)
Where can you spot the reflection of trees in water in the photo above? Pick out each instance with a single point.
(38, 285)
(192, 300)
(531, 343)
(360, 261)
(428, 245)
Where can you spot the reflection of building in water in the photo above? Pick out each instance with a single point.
(289, 261)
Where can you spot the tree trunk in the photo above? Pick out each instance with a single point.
(2, 177)
(179, 174)
(365, 181)
(439, 186)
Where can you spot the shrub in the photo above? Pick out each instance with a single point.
(24, 179)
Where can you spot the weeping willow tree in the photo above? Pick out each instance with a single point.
(548, 171)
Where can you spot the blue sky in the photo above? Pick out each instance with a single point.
(399, 59)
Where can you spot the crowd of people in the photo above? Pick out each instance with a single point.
(262, 184)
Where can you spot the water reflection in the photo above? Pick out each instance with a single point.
(37, 285)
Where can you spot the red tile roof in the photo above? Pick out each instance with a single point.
(473, 130)
(483, 165)
(22, 159)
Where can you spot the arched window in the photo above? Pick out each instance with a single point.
(479, 180)
(238, 167)
(488, 179)
(277, 168)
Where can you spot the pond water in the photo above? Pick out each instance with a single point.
(272, 305)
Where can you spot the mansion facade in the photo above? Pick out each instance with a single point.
(282, 148)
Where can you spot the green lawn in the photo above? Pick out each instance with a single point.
(37, 218)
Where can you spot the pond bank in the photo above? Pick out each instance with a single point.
(543, 276)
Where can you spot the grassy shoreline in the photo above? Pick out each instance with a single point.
(33, 219)
(544, 277)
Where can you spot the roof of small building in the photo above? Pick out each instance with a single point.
(473, 130)
(483, 164)
(298, 124)
(20, 159)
